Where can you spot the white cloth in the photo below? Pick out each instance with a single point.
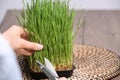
(9, 68)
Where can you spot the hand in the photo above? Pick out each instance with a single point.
(62, 78)
(18, 39)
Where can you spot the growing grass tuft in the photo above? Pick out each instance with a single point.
(51, 24)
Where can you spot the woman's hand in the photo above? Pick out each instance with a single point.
(18, 39)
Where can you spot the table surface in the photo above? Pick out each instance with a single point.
(101, 29)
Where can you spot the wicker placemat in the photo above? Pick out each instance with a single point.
(92, 63)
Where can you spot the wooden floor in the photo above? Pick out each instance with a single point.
(102, 28)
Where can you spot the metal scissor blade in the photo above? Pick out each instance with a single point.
(48, 73)
(50, 67)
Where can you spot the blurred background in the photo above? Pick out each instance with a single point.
(77, 4)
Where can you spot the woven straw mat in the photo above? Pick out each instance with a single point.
(92, 63)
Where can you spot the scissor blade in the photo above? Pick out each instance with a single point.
(48, 73)
(50, 67)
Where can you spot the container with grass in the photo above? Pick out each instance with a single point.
(50, 22)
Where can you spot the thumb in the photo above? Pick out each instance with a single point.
(30, 45)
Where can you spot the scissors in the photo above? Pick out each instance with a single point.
(49, 70)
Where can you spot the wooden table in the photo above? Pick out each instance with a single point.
(102, 28)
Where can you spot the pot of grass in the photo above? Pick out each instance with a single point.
(50, 22)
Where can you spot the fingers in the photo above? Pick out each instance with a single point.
(20, 31)
(30, 45)
(25, 34)
(18, 39)
(24, 52)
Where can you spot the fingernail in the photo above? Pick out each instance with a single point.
(40, 46)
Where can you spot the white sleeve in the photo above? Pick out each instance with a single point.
(9, 68)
